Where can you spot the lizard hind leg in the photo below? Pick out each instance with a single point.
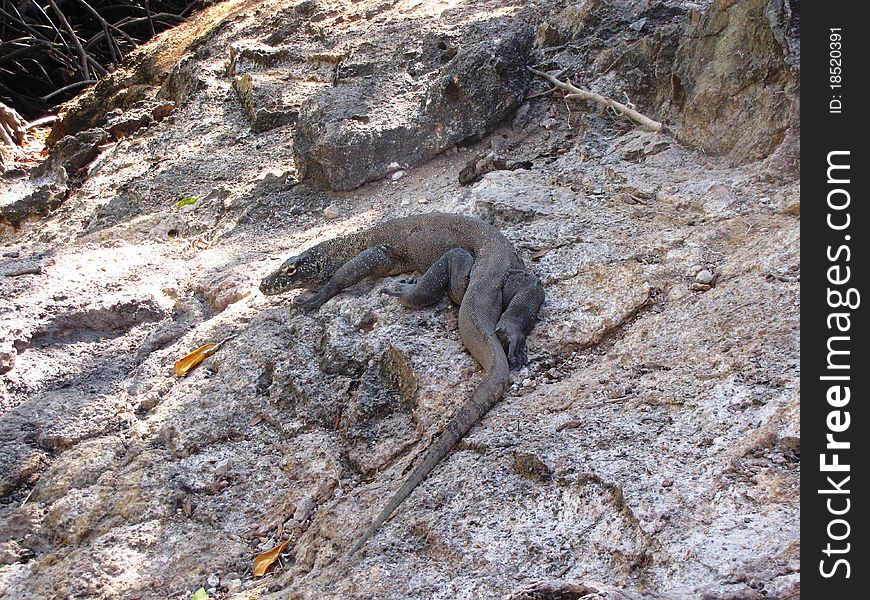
(447, 275)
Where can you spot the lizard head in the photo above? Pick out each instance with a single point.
(303, 271)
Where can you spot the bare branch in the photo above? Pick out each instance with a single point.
(49, 44)
(75, 39)
(67, 88)
(150, 17)
(576, 93)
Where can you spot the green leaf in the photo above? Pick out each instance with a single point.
(199, 594)
(184, 202)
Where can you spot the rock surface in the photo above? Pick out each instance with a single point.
(451, 93)
(649, 450)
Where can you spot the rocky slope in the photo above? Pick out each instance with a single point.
(651, 447)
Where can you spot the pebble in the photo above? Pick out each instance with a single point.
(397, 175)
(704, 276)
(229, 577)
(637, 25)
(695, 270)
(302, 509)
(404, 202)
(700, 287)
(331, 211)
(222, 467)
(213, 580)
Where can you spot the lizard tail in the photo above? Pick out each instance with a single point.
(482, 399)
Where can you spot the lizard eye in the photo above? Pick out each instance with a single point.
(288, 269)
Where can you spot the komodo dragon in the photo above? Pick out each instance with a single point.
(463, 257)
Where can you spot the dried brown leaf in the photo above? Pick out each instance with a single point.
(266, 559)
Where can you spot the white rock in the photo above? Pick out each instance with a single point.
(704, 276)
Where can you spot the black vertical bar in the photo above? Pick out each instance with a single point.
(834, 232)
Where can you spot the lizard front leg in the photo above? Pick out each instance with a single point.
(447, 275)
(371, 261)
(518, 319)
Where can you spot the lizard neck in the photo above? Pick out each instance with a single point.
(336, 252)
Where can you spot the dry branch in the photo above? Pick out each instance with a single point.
(576, 93)
(75, 39)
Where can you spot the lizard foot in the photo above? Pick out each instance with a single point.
(400, 289)
(513, 340)
(308, 304)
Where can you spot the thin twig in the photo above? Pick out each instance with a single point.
(67, 88)
(150, 20)
(576, 93)
(542, 94)
(8, 56)
(83, 56)
(51, 25)
(110, 41)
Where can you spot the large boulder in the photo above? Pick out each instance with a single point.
(350, 134)
(735, 78)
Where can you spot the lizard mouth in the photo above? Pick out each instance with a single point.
(275, 284)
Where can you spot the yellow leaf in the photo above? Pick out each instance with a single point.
(199, 594)
(265, 560)
(185, 201)
(183, 366)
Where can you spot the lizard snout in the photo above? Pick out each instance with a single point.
(270, 286)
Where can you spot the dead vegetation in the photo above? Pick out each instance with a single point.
(51, 49)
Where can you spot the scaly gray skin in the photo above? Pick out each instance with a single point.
(460, 256)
